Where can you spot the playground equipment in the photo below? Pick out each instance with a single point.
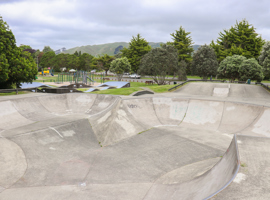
(44, 72)
(79, 77)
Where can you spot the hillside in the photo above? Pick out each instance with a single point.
(109, 48)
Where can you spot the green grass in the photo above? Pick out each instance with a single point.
(82, 89)
(120, 91)
(159, 88)
(14, 93)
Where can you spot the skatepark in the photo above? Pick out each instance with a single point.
(202, 141)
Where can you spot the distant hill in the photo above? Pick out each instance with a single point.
(196, 46)
(109, 48)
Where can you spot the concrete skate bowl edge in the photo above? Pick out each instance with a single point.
(72, 146)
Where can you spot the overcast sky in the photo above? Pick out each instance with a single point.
(72, 23)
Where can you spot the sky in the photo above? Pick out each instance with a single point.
(73, 23)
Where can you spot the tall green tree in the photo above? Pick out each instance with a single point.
(138, 47)
(183, 43)
(204, 63)
(47, 49)
(104, 62)
(240, 39)
(119, 66)
(159, 63)
(264, 59)
(182, 74)
(16, 66)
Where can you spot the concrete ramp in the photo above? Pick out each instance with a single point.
(10, 117)
(252, 180)
(170, 111)
(223, 90)
(204, 186)
(203, 114)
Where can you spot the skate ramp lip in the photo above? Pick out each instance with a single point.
(223, 90)
(83, 132)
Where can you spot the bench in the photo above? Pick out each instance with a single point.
(149, 82)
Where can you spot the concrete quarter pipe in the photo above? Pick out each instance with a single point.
(86, 146)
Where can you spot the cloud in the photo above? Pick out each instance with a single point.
(70, 23)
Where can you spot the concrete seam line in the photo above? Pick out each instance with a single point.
(105, 109)
(56, 132)
(88, 110)
(155, 110)
(114, 115)
(221, 119)
(188, 101)
(236, 172)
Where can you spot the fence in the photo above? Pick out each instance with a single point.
(79, 77)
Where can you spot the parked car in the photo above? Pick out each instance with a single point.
(134, 76)
(93, 71)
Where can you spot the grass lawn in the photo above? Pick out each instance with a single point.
(14, 93)
(120, 91)
(160, 88)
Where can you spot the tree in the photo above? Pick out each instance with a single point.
(264, 59)
(138, 47)
(73, 62)
(250, 69)
(240, 39)
(38, 55)
(119, 66)
(76, 53)
(182, 75)
(229, 67)
(104, 62)
(159, 63)
(16, 66)
(183, 43)
(23, 47)
(47, 49)
(205, 62)
(47, 59)
(86, 62)
(60, 61)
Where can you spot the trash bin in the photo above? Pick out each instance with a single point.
(174, 83)
(248, 81)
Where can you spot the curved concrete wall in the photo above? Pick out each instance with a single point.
(204, 186)
(114, 119)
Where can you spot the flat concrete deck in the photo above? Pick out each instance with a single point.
(196, 143)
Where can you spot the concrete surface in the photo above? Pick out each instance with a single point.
(205, 140)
